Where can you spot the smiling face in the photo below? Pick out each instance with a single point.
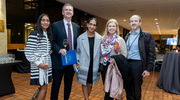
(91, 26)
(45, 23)
(135, 23)
(67, 12)
(112, 28)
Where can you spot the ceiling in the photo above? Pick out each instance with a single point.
(167, 12)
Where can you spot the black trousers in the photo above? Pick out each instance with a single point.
(68, 73)
(133, 89)
(103, 75)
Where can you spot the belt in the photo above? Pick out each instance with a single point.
(133, 60)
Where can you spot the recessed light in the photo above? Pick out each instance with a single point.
(28, 24)
(157, 23)
(155, 19)
(124, 20)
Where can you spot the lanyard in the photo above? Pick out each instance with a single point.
(129, 46)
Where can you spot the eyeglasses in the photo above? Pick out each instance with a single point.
(92, 24)
(45, 20)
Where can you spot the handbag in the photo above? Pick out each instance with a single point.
(101, 67)
(35, 94)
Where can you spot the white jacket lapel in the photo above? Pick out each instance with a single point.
(96, 43)
(85, 43)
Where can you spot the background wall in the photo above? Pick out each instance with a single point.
(156, 37)
(101, 25)
(3, 35)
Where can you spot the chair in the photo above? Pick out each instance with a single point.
(158, 60)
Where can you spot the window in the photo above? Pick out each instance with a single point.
(28, 28)
(30, 4)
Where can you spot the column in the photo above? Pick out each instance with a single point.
(3, 30)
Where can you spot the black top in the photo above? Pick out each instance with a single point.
(90, 72)
(146, 49)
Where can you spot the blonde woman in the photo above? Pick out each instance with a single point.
(112, 44)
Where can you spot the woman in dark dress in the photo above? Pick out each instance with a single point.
(88, 52)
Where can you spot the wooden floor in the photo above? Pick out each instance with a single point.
(24, 91)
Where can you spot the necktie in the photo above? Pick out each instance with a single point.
(69, 37)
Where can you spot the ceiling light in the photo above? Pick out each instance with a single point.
(155, 19)
(159, 30)
(157, 23)
(124, 20)
(28, 24)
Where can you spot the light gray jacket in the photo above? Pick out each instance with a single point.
(83, 55)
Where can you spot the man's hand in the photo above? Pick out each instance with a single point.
(145, 73)
(63, 52)
(43, 66)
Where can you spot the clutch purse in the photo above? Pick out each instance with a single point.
(35, 94)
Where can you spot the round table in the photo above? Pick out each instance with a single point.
(169, 77)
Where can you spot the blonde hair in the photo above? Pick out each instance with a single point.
(106, 28)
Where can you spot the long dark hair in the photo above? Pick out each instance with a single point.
(88, 21)
(92, 18)
(40, 30)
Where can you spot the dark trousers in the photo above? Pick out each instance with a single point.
(133, 89)
(103, 75)
(68, 73)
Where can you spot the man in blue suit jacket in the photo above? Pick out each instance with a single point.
(60, 32)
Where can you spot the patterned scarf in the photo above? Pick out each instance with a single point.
(107, 45)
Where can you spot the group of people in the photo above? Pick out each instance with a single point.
(92, 50)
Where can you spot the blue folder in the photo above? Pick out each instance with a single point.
(70, 58)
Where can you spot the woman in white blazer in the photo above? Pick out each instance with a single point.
(88, 52)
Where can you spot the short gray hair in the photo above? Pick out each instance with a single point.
(137, 16)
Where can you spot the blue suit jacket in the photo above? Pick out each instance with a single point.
(59, 34)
